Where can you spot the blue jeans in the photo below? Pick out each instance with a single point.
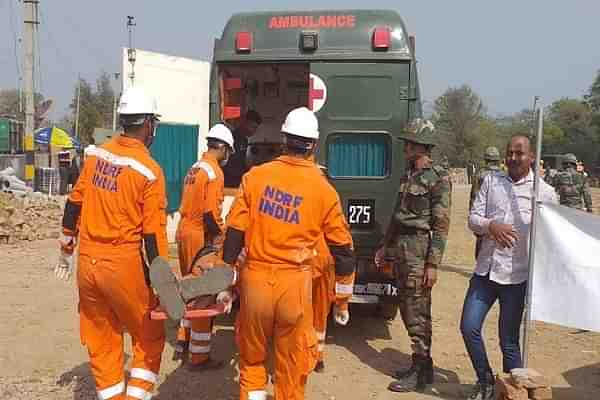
(481, 296)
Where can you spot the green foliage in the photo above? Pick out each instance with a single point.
(95, 106)
(9, 103)
(457, 116)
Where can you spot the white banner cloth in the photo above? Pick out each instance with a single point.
(566, 277)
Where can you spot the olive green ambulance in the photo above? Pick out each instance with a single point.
(356, 70)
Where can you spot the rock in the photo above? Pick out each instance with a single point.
(29, 217)
(507, 389)
(544, 393)
(529, 378)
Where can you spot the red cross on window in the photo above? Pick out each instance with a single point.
(314, 94)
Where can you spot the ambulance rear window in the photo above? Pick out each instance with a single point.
(358, 155)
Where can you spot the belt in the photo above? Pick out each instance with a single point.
(410, 230)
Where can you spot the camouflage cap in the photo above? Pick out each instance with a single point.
(419, 131)
(491, 154)
(569, 158)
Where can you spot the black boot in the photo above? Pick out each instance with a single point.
(403, 373)
(428, 367)
(416, 381)
(483, 390)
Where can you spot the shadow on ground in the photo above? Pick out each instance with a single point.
(368, 326)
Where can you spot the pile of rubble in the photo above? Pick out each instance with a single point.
(30, 216)
(523, 384)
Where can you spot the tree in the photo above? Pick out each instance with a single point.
(10, 100)
(525, 123)
(89, 116)
(593, 96)
(574, 118)
(457, 117)
(104, 98)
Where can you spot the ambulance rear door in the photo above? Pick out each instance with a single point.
(361, 109)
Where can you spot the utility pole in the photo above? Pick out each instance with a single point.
(115, 102)
(77, 108)
(535, 101)
(30, 21)
(130, 49)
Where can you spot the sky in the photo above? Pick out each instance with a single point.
(508, 51)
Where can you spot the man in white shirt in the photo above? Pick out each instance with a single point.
(502, 214)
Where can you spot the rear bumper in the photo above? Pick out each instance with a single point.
(375, 292)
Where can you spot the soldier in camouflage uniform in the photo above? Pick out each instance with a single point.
(492, 165)
(415, 243)
(572, 186)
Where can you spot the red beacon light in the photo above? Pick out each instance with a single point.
(243, 42)
(382, 38)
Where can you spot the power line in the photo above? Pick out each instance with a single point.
(52, 41)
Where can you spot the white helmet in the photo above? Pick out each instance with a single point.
(134, 101)
(301, 122)
(222, 133)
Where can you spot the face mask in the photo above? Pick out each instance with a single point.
(225, 160)
(150, 138)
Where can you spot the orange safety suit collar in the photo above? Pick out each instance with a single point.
(301, 162)
(211, 157)
(132, 142)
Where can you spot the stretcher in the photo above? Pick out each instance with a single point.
(190, 313)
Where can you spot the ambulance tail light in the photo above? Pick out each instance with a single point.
(243, 42)
(382, 38)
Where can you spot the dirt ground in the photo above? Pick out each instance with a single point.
(41, 356)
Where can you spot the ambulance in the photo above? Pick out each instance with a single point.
(356, 69)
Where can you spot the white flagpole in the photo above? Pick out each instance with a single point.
(532, 236)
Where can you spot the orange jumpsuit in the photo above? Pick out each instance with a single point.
(327, 289)
(117, 204)
(282, 209)
(323, 293)
(200, 225)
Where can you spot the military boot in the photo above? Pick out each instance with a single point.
(403, 373)
(414, 380)
(428, 365)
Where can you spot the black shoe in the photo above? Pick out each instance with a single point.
(482, 391)
(428, 366)
(320, 367)
(416, 380)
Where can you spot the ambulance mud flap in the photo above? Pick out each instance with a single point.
(165, 283)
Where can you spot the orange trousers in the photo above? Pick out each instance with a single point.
(323, 295)
(113, 295)
(275, 306)
(196, 332)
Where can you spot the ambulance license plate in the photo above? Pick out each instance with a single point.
(361, 212)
